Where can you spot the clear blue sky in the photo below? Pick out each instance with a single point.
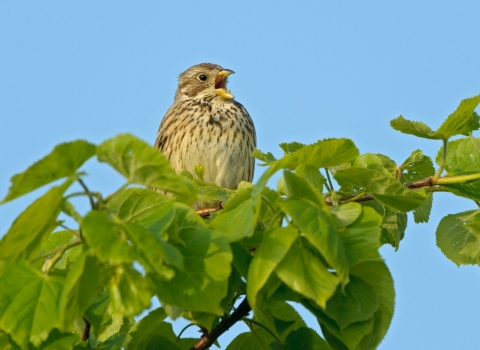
(305, 70)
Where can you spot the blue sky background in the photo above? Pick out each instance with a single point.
(305, 70)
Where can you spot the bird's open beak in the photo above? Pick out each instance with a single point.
(221, 84)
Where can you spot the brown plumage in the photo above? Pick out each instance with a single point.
(206, 126)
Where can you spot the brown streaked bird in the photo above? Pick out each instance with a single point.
(206, 126)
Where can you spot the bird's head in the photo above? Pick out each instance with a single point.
(205, 80)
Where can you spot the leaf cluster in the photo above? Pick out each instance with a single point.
(313, 240)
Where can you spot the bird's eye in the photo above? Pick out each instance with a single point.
(202, 77)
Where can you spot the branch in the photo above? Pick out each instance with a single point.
(208, 339)
(431, 183)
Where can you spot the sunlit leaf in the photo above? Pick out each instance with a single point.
(463, 158)
(414, 128)
(463, 120)
(242, 210)
(422, 213)
(382, 187)
(274, 247)
(417, 167)
(143, 207)
(28, 303)
(362, 240)
(31, 227)
(63, 161)
(129, 292)
(81, 286)
(203, 283)
(317, 226)
(457, 239)
(322, 154)
(304, 273)
(290, 147)
(142, 164)
(111, 245)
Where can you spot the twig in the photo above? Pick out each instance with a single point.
(330, 186)
(204, 212)
(60, 249)
(85, 188)
(248, 320)
(205, 341)
(86, 330)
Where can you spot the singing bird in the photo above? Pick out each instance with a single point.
(206, 126)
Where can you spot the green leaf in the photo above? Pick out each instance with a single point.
(362, 240)
(153, 253)
(55, 240)
(106, 238)
(322, 154)
(312, 175)
(63, 161)
(151, 332)
(463, 158)
(414, 128)
(114, 342)
(211, 192)
(280, 319)
(290, 147)
(382, 187)
(60, 341)
(417, 167)
(387, 163)
(302, 339)
(242, 210)
(199, 171)
(358, 303)
(422, 213)
(394, 225)
(143, 207)
(241, 259)
(349, 338)
(264, 157)
(99, 316)
(142, 164)
(245, 341)
(272, 250)
(370, 161)
(203, 283)
(28, 303)
(31, 227)
(317, 226)
(346, 214)
(306, 274)
(376, 274)
(463, 120)
(458, 239)
(81, 286)
(129, 292)
(145, 328)
(366, 334)
(297, 187)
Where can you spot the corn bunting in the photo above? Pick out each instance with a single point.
(206, 126)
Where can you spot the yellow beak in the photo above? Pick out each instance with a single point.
(221, 84)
